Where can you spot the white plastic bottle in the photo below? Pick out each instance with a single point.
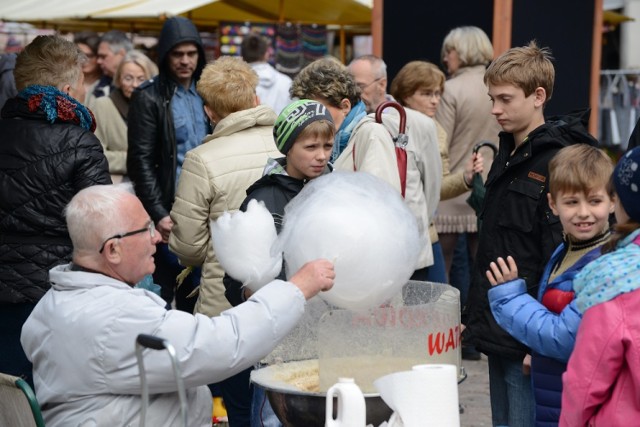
(351, 405)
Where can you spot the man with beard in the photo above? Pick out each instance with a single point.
(166, 119)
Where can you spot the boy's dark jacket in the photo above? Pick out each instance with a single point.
(516, 220)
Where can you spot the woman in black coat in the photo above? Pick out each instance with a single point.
(47, 154)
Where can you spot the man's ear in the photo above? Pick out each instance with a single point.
(112, 252)
(66, 89)
(383, 84)
(552, 203)
(257, 101)
(540, 96)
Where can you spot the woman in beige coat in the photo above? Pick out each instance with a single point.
(111, 111)
(465, 116)
(419, 86)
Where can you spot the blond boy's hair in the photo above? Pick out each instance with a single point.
(228, 85)
(579, 168)
(323, 129)
(527, 67)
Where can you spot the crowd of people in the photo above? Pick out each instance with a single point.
(113, 165)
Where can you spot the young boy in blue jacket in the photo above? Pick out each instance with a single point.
(578, 177)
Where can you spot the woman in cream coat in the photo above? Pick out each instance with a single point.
(465, 115)
(419, 86)
(111, 111)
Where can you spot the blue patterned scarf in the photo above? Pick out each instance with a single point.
(57, 105)
(344, 133)
(612, 274)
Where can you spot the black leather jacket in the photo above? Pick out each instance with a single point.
(151, 154)
(516, 220)
(42, 166)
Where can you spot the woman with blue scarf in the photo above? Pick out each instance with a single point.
(361, 144)
(602, 382)
(48, 153)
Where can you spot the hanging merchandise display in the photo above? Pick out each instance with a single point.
(288, 49)
(314, 42)
(232, 33)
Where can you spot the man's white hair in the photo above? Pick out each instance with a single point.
(95, 214)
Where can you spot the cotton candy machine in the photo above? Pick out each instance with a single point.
(420, 325)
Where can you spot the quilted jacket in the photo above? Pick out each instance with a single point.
(214, 179)
(42, 166)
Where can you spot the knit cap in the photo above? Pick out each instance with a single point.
(294, 118)
(626, 180)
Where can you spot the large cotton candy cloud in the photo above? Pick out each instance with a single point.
(242, 242)
(361, 224)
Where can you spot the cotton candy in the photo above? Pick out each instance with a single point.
(361, 224)
(242, 242)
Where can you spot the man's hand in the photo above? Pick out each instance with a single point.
(164, 226)
(313, 277)
(501, 272)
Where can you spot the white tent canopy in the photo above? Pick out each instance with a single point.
(341, 12)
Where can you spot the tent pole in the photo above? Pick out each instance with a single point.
(502, 23)
(596, 58)
(343, 45)
(377, 24)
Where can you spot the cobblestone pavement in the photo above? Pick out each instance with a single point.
(473, 394)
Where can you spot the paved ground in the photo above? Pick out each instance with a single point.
(474, 394)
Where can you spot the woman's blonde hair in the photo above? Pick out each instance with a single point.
(49, 61)
(228, 85)
(138, 58)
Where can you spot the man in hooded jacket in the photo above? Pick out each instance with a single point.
(166, 119)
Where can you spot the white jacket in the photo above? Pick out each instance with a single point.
(80, 338)
(273, 86)
(424, 171)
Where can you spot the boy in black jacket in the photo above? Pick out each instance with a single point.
(516, 219)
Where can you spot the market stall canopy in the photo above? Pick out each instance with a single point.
(204, 12)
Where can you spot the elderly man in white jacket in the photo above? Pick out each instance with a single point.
(80, 337)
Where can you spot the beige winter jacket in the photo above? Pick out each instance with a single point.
(111, 130)
(214, 179)
(465, 115)
(374, 152)
(452, 184)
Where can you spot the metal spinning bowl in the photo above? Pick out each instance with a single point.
(308, 409)
(297, 408)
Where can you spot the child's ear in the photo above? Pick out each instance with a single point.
(540, 96)
(612, 204)
(552, 203)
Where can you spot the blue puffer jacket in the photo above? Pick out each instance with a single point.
(548, 326)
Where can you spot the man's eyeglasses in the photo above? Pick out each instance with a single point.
(363, 86)
(151, 228)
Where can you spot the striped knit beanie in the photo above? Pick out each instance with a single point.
(294, 118)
